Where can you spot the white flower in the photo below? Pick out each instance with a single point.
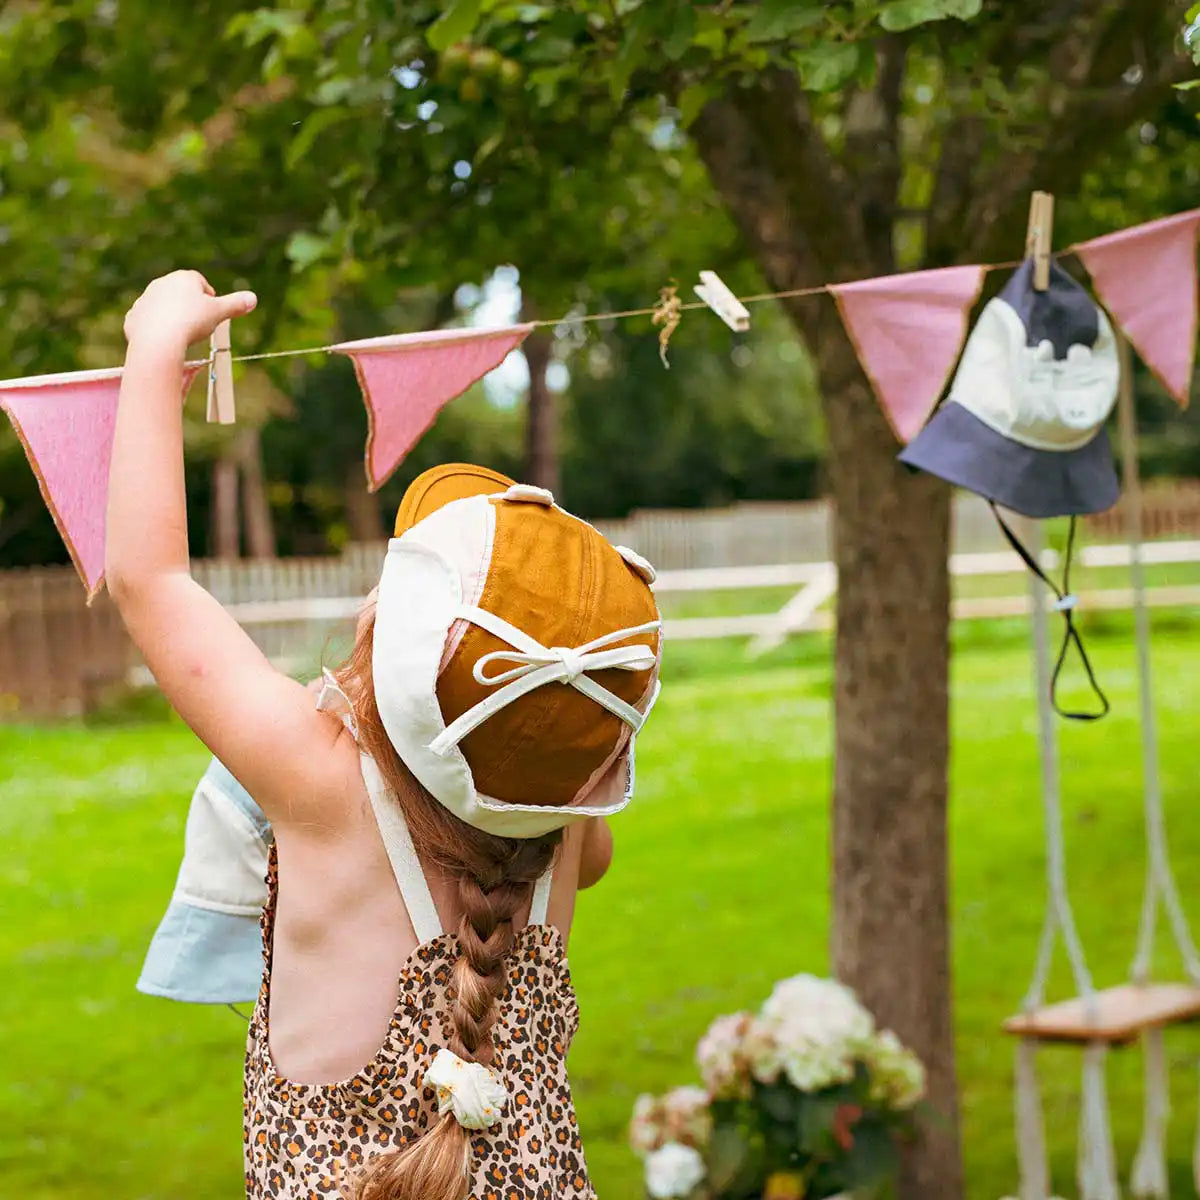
(681, 1116)
(646, 1128)
(722, 1058)
(688, 1118)
(673, 1171)
(763, 1052)
(812, 1030)
(897, 1075)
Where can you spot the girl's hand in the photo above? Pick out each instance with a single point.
(181, 308)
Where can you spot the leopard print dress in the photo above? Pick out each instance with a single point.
(302, 1139)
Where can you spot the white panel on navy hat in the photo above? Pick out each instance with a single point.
(1026, 394)
(984, 381)
(1063, 402)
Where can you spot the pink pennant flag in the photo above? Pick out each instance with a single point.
(908, 330)
(408, 378)
(1146, 278)
(66, 425)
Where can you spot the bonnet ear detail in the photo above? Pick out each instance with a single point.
(641, 565)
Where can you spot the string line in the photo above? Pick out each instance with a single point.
(623, 314)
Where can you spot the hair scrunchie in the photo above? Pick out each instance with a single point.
(470, 1090)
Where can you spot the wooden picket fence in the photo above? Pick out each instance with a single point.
(1169, 511)
(60, 656)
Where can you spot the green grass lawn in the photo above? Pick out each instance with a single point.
(719, 887)
(746, 601)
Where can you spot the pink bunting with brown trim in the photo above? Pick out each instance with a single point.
(66, 424)
(1146, 278)
(908, 331)
(407, 379)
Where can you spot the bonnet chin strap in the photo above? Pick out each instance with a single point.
(1066, 602)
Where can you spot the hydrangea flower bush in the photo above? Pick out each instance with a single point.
(804, 1100)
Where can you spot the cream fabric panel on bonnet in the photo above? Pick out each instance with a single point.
(432, 577)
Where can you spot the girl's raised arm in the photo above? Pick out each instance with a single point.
(262, 725)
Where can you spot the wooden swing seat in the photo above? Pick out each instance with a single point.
(1118, 1015)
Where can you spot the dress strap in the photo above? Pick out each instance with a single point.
(541, 898)
(406, 866)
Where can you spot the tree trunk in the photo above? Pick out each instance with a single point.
(890, 934)
(363, 517)
(541, 432)
(224, 542)
(890, 931)
(256, 509)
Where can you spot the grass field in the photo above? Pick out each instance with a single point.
(719, 887)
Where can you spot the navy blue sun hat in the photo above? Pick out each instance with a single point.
(1023, 424)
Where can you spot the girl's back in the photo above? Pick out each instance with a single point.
(410, 1036)
(342, 934)
(353, 1000)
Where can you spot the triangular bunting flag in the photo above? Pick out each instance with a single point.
(1146, 278)
(907, 331)
(407, 379)
(66, 424)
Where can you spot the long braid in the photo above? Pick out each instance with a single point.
(490, 903)
(437, 1166)
(496, 877)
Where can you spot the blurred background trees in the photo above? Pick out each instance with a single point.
(371, 167)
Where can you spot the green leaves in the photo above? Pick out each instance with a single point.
(683, 28)
(827, 67)
(314, 125)
(736, 1160)
(631, 53)
(456, 24)
(1191, 35)
(691, 100)
(899, 15)
(774, 20)
(305, 248)
(814, 1123)
(875, 1156)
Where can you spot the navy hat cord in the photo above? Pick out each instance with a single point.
(1066, 602)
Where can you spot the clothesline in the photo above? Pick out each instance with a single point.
(907, 330)
(623, 314)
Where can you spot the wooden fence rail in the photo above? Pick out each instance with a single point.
(59, 656)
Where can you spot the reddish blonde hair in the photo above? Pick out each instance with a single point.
(495, 878)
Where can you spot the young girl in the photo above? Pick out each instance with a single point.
(416, 1008)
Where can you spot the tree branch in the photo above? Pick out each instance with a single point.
(729, 147)
(1062, 38)
(1085, 126)
(785, 215)
(1078, 122)
(872, 155)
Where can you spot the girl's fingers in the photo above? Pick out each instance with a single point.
(236, 304)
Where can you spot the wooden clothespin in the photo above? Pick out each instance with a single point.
(220, 377)
(722, 301)
(1039, 236)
